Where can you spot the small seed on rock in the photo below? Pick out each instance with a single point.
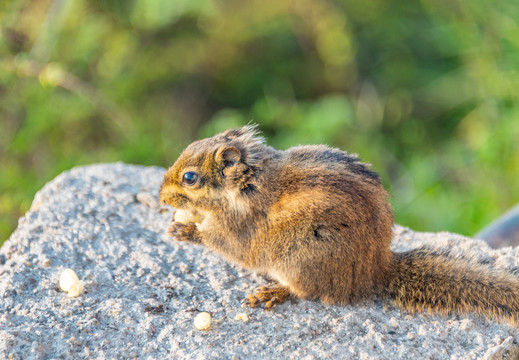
(242, 317)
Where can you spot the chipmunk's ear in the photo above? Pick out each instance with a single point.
(227, 156)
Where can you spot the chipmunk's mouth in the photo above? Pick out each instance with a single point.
(172, 199)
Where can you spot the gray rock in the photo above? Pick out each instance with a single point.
(143, 289)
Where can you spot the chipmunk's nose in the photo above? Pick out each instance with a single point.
(166, 189)
(162, 202)
(164, 195)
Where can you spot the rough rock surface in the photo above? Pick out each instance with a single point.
(143, 289)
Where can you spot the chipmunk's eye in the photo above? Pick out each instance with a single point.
(189, 178)
(229, 163)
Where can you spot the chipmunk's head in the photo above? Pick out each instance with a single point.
(211, 171)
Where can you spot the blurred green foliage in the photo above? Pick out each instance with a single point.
(426, 90)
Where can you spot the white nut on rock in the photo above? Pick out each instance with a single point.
(69, 283)
(75, 289)
(203, 321)
(242, 317)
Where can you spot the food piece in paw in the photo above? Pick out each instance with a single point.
(185, 216)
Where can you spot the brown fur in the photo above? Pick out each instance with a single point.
(317, 220)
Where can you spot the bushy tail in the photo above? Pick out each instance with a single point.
(425, 279)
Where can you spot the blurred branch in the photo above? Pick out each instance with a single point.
(53, 75)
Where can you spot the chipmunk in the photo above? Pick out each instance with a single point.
(317, 220)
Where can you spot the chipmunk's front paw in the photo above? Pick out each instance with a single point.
(184, 232)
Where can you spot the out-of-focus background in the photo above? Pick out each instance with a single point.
(427, 91)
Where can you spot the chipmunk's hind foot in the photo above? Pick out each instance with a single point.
(271, 296)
